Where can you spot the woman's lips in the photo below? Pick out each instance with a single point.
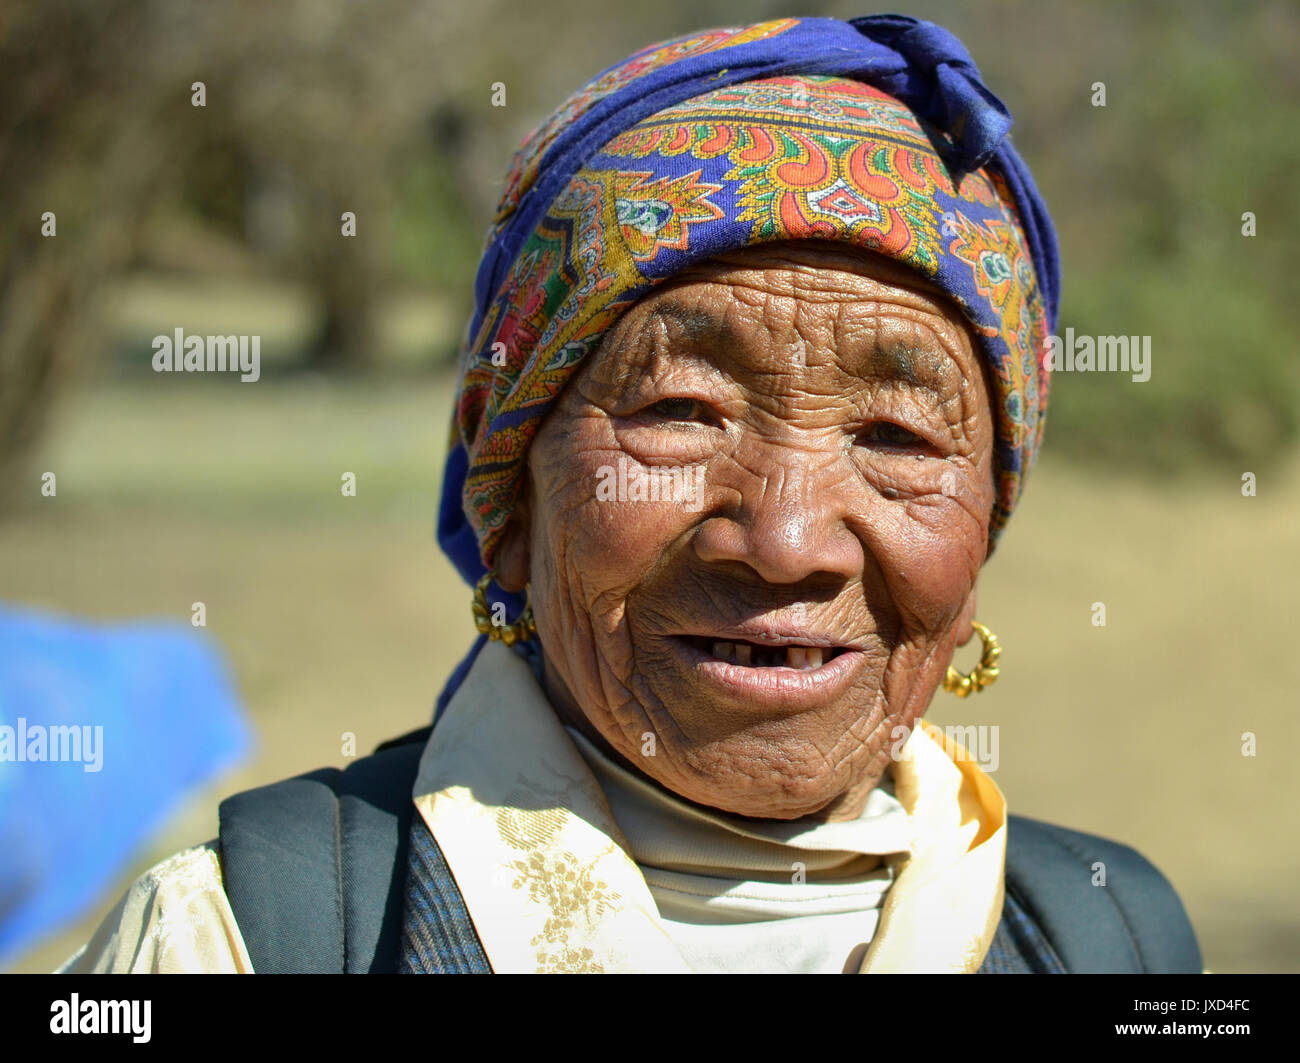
(766, 655)
(792, 675)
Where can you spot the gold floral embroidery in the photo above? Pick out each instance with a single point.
(567, 888)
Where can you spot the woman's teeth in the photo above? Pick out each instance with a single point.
(803, 657)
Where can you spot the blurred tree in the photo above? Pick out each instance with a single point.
(79, 167)
(308, 101)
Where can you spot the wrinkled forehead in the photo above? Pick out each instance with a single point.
(772, 307)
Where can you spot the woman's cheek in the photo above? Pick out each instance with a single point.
(613, 516)
(930, 573)
(925, 529)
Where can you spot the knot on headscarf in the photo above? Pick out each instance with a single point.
(684, 151)
(941, 83)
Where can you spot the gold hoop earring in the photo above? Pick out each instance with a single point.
(521, 630)
(983, 674)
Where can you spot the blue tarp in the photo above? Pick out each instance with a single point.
(104, 730)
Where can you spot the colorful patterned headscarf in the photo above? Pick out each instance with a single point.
(876, 132)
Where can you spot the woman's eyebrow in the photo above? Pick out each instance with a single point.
(699, 325)
(925, 365)
(646, 349)
(897, 360)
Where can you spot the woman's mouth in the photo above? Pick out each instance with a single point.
(783, 674)
(759, 655)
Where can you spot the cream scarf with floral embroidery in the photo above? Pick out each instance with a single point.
(546, 878)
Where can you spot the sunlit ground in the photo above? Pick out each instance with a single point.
(339, 614)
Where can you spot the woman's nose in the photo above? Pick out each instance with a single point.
(788, 523)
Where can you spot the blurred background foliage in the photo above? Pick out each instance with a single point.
(384, 109)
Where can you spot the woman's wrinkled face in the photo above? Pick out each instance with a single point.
(754, 523)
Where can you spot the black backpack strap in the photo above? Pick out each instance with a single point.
(1135, 923)
(376, 814)
(314, 867)
(280, 866)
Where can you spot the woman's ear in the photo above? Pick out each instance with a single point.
(513, 554)
(964, 629)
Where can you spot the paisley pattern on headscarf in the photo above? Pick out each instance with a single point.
(804, 155)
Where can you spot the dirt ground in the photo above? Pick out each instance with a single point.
(341, 615)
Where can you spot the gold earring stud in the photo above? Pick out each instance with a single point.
(983, 674)
(520, 630)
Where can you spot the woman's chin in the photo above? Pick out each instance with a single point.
(772, 806)
(740, 792)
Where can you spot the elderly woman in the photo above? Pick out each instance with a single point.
(751, 388)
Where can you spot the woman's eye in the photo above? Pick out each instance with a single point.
(677, 409)
(891, 435)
